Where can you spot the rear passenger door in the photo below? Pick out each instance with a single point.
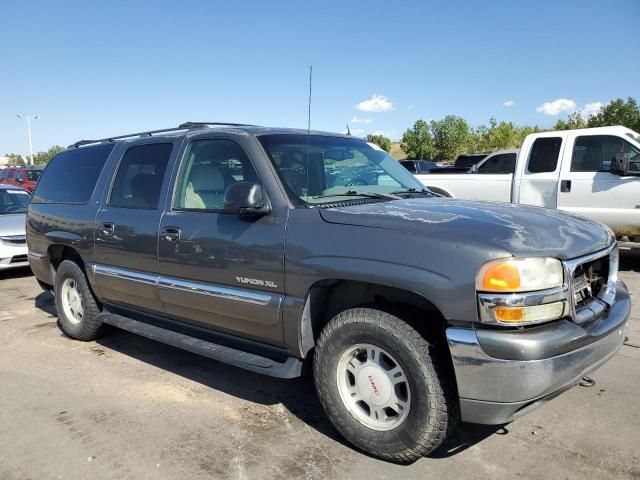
(219, 270)
(126, 227)
(538, 183)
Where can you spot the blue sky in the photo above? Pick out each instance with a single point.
(93, 69)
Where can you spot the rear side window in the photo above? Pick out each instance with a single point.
(11, 174)
(502, 163)
(544, 155)
(139, 179)
(71, 176)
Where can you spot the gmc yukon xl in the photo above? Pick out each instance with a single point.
(277, 249)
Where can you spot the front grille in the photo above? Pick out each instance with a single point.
(589, 279)
(19, 259)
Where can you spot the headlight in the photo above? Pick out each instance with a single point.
(521, 291)
(520, 275)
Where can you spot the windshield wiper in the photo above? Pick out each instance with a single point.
(413, 190)
(354, 193)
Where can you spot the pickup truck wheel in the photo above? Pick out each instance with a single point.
(76, 306)
(382, 385)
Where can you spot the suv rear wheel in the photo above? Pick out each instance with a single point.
(383, 385)
(76, 306)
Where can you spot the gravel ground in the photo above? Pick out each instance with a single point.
(127, 407)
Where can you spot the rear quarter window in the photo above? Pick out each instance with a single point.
(71, 176)
(544, 154)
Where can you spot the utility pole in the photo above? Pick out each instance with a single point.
(28, 118)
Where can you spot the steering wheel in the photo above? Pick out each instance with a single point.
(356, 181)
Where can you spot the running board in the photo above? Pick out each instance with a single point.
(291, 368)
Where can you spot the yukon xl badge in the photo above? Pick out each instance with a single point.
(257, 282)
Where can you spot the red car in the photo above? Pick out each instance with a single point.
(26, 177)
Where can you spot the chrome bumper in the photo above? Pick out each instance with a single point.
(503, 374)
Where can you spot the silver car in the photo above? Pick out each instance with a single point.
(13, 209)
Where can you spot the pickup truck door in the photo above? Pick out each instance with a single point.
(126, 228)
(220, 270)
(588, 188)
(537, 173)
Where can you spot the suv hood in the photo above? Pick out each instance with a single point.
(12, 224)
(517, 230)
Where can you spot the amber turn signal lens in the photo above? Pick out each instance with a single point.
(509, 314)
(501, 276)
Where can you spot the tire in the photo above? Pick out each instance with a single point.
(86, 327)
(428, 385)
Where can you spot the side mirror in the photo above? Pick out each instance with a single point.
(245, 198)
(623, 165)
(19, 179)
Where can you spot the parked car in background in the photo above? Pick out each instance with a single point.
(468, 160)
(594, 172)
(419, 166)
(304, 253)
(23, 176)
(13, 208)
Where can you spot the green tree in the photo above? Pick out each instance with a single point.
(575, 120)
(15, 159)
(417, 142)
(380, 140)
(43, 157)
(617, 112)
(451, 136)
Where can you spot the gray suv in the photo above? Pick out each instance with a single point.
(277, 249)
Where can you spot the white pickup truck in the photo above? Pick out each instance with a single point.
(569, 170)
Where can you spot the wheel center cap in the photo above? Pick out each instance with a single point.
(374, 385)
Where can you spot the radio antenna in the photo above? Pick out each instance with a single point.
(309, 112)
(309, 132)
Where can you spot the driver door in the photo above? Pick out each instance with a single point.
(589, 188)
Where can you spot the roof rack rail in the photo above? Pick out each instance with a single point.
(149, 133)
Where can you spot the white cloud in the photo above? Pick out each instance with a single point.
(377, 103)
(380, 132)
(509, 103)
(557, 106)
(591, 109)
(361, 120)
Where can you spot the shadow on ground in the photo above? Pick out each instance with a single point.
(630, 260)
(21, 272)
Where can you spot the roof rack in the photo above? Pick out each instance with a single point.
(149, 133)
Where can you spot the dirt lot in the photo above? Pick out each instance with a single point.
(127, 407)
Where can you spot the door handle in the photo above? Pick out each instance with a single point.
(107, 229)
(565, 186)
(170, 234)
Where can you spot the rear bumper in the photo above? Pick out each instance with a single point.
(502, 376)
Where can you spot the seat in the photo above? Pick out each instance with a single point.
(206, 187)
(145, 190)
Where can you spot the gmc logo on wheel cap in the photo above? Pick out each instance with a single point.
(373, 386)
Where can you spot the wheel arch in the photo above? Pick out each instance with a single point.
(326, 298)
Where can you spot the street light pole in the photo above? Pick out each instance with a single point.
(28, 118)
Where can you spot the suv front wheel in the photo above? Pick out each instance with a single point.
(382, 385)
(76, 306)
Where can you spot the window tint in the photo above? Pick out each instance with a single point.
(411, 166)
(595, 153)
(33, 175)
(3, 173)
(71, 176)
(138, 182)
(209, 167)
(502, 163)
(11, 174)
(544, 154)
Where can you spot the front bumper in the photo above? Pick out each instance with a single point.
(502, 374)
(13, 256)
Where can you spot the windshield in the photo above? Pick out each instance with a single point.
(337, 167)
(13, 201)
(34, 175)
